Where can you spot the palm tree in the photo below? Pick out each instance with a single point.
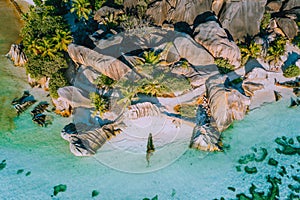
(151, 57)
(62, 39)
(276, 49)
(153, 88)
(34, 47)
(81, 8)
(252, 51)
(100, 103)
(47, 48)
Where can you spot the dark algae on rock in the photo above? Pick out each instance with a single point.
(95, 193)
(281, 176)
(273, 162)
(288, 147)
(250, 170)
(2, 164)
(59, 188)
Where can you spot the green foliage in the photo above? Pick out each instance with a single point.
(153, 88)
(98, 4)
(224, 66)
(265, 21)
(41, 22)
(252, 50)
(291, 71)
(39, 67)
(59, 188)
(46, 37)
(57, 80)
(151, 57)
(61, 40)
(100, 103)
(186, 110)
(237, 80)
(82, 8)
(111, 22)
(276, 49)
(103, 81)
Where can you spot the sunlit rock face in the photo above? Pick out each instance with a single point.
(106, 65)
(226, 104)
(84, 142)
(17, 55)
(217, 41)
(242, 18)
(205, 136)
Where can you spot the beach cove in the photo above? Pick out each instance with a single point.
(195, 175)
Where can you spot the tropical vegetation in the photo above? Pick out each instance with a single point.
(276, 49)
(82, 9)
(46, 36)
(252, 50)
(291, 71)
(224, 66)
(57, 80)
(104, 82)
(100, 103)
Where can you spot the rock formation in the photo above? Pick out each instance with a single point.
(86, 143)
(226, 104)
(107, 65)
(205, 136)
(141, 110)
(17, 55)
(22, 103)
(215, 39)
(242, 18)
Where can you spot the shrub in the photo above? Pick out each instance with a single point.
(57, 80)
(39, 67)
(252, 50)
(224, 66)
(276, 49)
(265, 21)
(99, 102)
(104, 81)
(291, 71)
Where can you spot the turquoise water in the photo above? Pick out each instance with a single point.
(195, 175)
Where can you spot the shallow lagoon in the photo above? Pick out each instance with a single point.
(195, 175)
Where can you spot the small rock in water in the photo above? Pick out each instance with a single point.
(2, 164)
(273, 162)
(278, 96)
(173, 192)
(20, 171)
(283, 171)
(250, 170)
(294, 103)
(231, 188)
(247, 158)
(238, 168)
(28, 173)
(95, 193)
(263, 155)
(59, 188)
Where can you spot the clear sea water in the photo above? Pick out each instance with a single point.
(195, 175)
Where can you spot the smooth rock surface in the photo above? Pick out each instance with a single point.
(215, 39)
(242, 18)
(226, 104)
